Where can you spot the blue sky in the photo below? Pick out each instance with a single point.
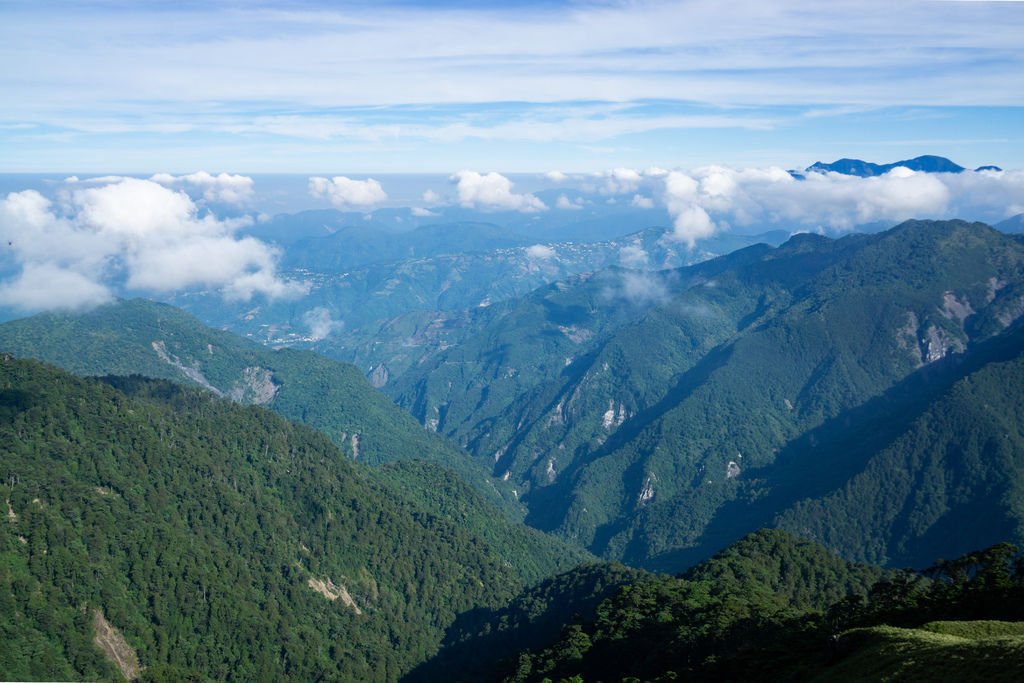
(318, 87)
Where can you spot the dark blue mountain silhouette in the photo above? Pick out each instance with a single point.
(928, 163)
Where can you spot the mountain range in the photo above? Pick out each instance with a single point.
(780, 427)
(646, 432)
(139, 337)
(655, 417)
(384, 299)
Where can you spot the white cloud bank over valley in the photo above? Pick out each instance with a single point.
(137, 234)
(707, 200)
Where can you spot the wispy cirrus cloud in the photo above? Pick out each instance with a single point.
(271, 77)
(631, 51)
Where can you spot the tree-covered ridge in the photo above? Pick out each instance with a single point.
(160, 341)
(772, 566)
(521, 353)
(308, 388)
(221, 540)
(766, 573)
(648, 435)
(485, 641)
(531, 554)
(708, 626)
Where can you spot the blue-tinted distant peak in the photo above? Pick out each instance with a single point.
(927, 164)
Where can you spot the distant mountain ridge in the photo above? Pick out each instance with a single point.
(1013, 224)
(384, 315)
(865, 169)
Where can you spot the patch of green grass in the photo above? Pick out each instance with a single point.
(949, 651)
(977, 630)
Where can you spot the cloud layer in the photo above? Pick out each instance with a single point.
(130, 233)
(706, 200)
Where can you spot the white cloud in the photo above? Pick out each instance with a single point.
(37, 235)
(204, 260)
(421, 212)
(643, 288)
(693, 223)
(619, 181)
(246, 285)
(344, 193)
(130, 231)
(992, 194)
(540, 252)
(431, 197)
(95, 180)
(46, 286)
(565, 203)
(223, 187)
(140, 209)
(493, 191)
(642, 202)
(633, 256)
(320, 323)
(690, 221)
(556, 176)
(715, 197)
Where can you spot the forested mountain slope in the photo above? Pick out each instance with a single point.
(155, 340)
(646, 434)
(959, 620)
(760, 581)
(768, 607)
(219, 539)
(937, 480)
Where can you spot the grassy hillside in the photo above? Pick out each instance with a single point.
(949, 651)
